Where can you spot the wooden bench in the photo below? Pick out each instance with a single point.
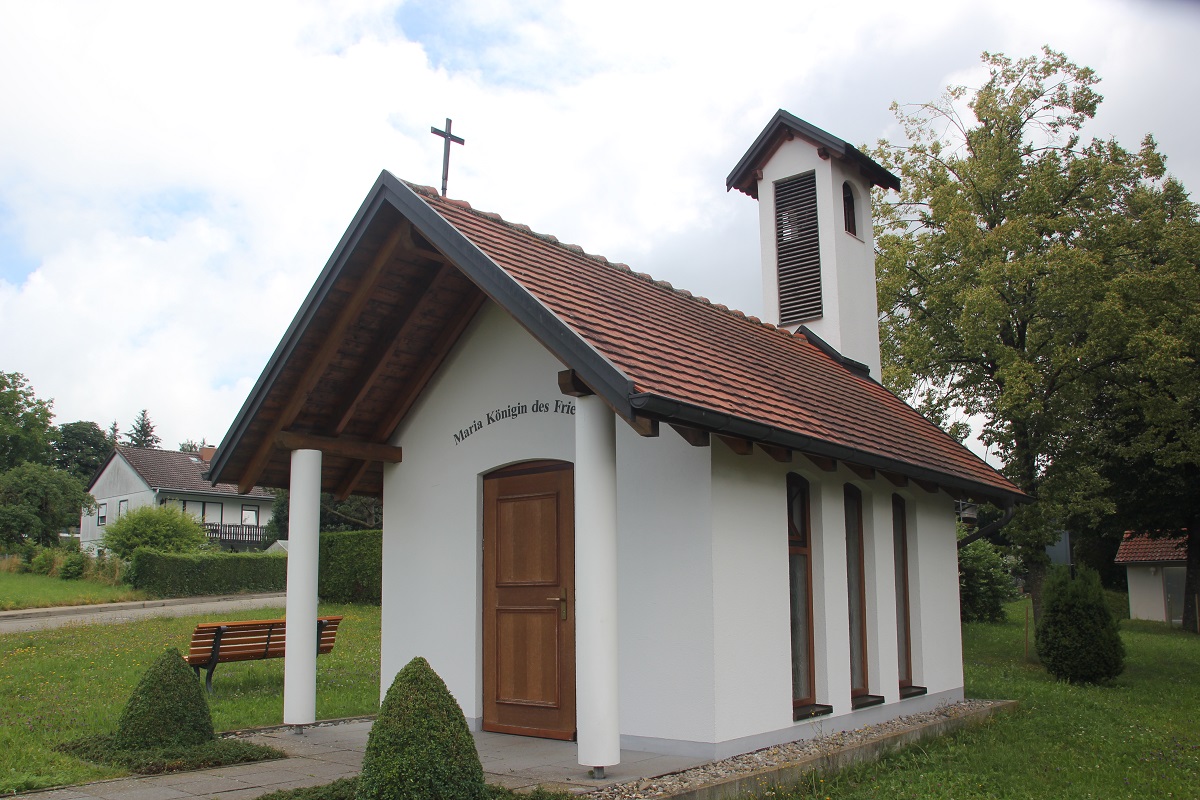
(220, 642)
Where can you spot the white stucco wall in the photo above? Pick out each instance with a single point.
(666, 602)
(1147, 599)
(850, 321)
(432, 553)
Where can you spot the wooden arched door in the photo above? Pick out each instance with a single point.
(529, 600)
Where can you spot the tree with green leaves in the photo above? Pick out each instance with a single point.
(25, 422)
(80, 448)
(1000, 270)
(37, 501)
(192, 446)
(142, 434)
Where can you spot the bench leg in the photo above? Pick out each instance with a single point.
(208, 678)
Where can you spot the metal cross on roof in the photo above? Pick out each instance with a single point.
(446, 152)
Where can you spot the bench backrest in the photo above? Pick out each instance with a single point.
(249, 640)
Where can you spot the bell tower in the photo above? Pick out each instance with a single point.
(818, 256)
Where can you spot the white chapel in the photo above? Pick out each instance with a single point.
(615, 512)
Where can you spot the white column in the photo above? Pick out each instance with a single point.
(596, 583)
(304, 520)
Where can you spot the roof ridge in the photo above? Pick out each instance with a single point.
(432, 193)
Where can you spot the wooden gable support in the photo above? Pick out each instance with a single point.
(401, 324)
(570, 384)
(896, 479)
(644, 426)
(743, 447)
(866, 473)
(325, 353)
(822, 463)
(928, 486)
(693, 436)
(335, 446)
(781, 454)
(436, 355)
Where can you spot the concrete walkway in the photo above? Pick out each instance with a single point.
(326, 752)
(34, 619)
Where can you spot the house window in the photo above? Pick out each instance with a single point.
(797, 249)
(122, 508)
(900, 543)
(856, 586)
(848, 209)
(250, 515)
(212, 513)
(102, 514)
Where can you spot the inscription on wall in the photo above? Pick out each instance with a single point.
(512, 411)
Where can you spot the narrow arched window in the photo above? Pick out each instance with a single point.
(848, 208)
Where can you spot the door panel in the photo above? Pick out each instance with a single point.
(528, 601)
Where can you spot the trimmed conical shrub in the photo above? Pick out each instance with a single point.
(1077, 638)
(167, 708)
(420, 747)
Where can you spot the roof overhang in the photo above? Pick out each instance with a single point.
(784, 127)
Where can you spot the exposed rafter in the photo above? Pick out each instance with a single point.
(320, 361)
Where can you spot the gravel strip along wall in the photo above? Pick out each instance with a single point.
(788, 763)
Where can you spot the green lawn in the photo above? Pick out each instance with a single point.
(57, 685)
(1137, 738)
(26, 590)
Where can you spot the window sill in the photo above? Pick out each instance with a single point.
(912, 691)
(801, 713)
(866, 701)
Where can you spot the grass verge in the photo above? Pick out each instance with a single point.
(68, 683)
(1135, 738)
(26, 590)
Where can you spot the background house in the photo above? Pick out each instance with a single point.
(140, 476)
(1155, 568)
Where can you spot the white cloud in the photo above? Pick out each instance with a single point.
(172, 178)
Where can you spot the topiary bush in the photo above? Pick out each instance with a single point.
(191, 574)
(163, 528)
(1077, 638)
(167, 708)
(420, 747)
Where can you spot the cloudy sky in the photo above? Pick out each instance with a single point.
(174, 176)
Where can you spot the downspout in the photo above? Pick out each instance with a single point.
(992, 527)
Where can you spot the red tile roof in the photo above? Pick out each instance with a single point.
(183, 472)
(1141, 548)
(682, 348)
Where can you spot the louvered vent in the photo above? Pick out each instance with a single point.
(797, 249)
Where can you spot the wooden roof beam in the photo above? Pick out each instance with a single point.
(895, 478)
(437, 353)
(822, 463)
(401, 324)
(693, 436)
(743, 447)
(781, 454)
(337, 446)
(325, 353)
(866, 473)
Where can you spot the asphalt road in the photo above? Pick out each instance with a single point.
(33, 619)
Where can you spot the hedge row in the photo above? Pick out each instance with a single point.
(192, 574)
(350, 571)
(351, 568)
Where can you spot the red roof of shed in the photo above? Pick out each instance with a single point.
(1141, 548)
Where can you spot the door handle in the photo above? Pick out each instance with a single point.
(562, 603)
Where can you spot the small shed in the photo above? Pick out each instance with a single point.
(1155, 566)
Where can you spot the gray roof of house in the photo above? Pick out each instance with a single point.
(173, 470)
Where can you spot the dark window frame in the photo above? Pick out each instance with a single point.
(903, 604)
(849, 209)
(101, 514)
(853, 501)
(122, 508)
(257, 514)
